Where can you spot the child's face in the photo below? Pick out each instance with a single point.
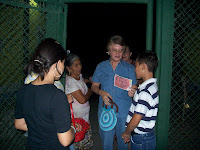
(138, 70)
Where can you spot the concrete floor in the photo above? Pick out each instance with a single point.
(94, 122)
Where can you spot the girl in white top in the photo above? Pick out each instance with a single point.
(76, 87)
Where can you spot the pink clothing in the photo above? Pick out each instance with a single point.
(72, 85)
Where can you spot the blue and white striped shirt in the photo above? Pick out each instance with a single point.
(145, 103)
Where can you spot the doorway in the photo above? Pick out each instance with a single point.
(91, 24)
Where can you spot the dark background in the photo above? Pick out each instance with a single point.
(89, 26)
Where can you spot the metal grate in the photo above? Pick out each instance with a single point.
(184, 129)
(23, 24)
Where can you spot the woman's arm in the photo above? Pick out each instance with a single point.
(95, 88)
(80, 97)
(66, 138)
(69, 98)
(20, 124)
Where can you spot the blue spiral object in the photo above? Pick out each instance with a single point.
(107, 119)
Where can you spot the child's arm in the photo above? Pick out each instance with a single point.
(133, 123)
(131, 126)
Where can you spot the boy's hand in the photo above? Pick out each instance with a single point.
(131, 91)
(126, 137)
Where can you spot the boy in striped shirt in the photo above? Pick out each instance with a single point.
(142, 114)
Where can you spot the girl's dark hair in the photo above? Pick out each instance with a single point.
(48, 52)
(150, 59)
(116, 39)
(70, 59)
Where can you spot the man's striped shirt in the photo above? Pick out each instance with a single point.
(145, 103)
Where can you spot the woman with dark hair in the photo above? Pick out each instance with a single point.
(41, 108)
(76, 87)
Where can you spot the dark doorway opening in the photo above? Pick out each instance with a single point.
(89, 25)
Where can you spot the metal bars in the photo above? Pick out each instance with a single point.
(24, 23)
(185, 96)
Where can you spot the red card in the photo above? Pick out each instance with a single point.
(122, 83)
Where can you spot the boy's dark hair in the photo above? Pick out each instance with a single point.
(150, 59)
(48, 52)
(116, 39)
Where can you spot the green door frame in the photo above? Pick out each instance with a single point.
(164, 50)
(61, 16)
